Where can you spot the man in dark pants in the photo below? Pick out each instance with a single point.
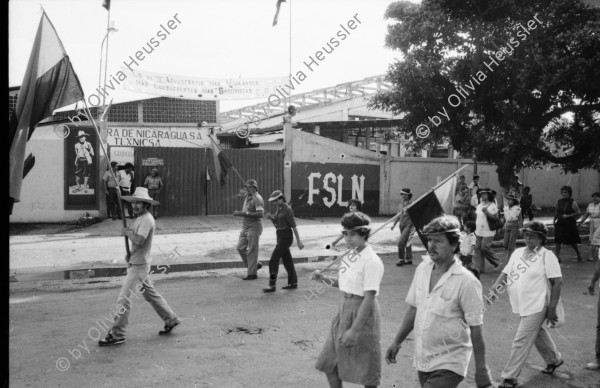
(595, 365)
(284, 222)
(252, 211)
(110, 189)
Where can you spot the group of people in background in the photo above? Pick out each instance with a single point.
(123, 180)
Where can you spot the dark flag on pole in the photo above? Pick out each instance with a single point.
(222, 164)
(49, 83)
(278, 5)
(106, 4)
(423, 212)
(436, 203)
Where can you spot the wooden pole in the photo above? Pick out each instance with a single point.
(91, 118)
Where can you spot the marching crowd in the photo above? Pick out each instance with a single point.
(446, 303)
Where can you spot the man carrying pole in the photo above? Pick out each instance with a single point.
(138, 269)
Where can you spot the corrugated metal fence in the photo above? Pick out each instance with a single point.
(266, 166)
(187, 192)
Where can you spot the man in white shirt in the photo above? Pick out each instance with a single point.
(445, 313)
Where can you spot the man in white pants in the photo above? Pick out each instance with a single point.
(138, 268)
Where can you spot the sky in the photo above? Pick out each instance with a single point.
(215, 39)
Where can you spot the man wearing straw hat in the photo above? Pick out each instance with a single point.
(252, 211)
(138, 268)
(445, 313)
(83, 160)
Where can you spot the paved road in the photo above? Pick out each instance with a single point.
(235, 336)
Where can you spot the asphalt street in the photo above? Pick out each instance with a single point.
(234, 335)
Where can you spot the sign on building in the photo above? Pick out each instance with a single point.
(158, 137)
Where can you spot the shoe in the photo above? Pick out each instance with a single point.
(400, 263)
(250, 277)
(594, 365)
(110, 340)
(290, 287)
(408, 262)
(258, 266)
(270, 289)
(169, 328)
(508, 383)
(550, 368)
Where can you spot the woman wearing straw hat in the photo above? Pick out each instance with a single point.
(284, 223)
(533, 278)
(138, 269)
(352, 351)
(406, 227)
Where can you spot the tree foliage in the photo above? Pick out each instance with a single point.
(519, 81)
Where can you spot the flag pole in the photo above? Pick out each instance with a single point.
(348, 251)
(89, 114)
(391, 219)
(438, 185)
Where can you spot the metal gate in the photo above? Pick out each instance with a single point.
(266, 166)
(183, 172)
(191, 187)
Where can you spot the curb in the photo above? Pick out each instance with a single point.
(78, 274)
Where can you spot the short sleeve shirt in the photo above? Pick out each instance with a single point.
(482, 227)
(442, 324)
(143, 226)
(153, 183)
(467, 243)
(404, 219)
(360, 272)
(284, 218)
(527, 279)
(593, 210)
(253, 204)
(110, 181)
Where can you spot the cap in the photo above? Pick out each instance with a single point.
(252, 183)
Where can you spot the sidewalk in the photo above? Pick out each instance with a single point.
(180, 244)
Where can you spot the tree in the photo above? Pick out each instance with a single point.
(516, 83)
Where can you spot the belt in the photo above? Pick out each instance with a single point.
(347, 295)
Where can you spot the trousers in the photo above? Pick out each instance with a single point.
(483, 250)
(247, 246)
(529, 333)
(136, 281)
(404, 246)
(285, 238)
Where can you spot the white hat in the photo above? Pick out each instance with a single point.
(82, 133)
(141, 194)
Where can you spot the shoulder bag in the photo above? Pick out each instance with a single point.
(495, 222)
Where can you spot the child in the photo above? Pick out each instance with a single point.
(527, 203)
(467, 247)
(354, 205)
(512, 213)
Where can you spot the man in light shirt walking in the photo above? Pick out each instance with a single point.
(445, 313)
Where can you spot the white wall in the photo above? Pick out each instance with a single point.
(42, 192)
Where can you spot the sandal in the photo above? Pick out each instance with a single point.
(550, 368)
(508, 383)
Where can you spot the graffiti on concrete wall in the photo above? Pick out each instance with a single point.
(323, 189)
